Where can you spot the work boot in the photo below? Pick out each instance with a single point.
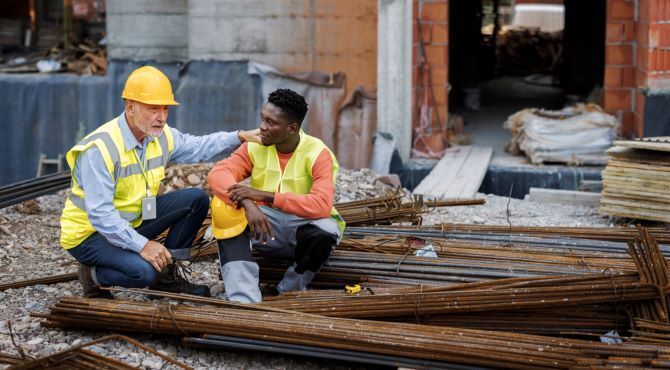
(171, 280)
(91, 289)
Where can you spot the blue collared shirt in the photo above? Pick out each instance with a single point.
(98, 185)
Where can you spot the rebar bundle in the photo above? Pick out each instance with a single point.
(383, 211)
(500, 295)
(460, 346)
(29, 189)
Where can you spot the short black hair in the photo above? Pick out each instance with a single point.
(292, 104)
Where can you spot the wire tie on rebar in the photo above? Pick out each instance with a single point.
(183, 332)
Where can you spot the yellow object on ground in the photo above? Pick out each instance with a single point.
(353, 289)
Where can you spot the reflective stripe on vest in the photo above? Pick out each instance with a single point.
(130, 184)
(266, 174)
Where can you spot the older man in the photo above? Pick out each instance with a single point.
(113, 210)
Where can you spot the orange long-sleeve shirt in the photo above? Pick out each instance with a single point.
(316, 204)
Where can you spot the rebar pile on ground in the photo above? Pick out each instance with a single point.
(566, 241)
(460, 266)
(499, 295)
(461, 346)
(653, 272)
(29, 189)
(660, 234)
(514, 257)
(78, 357)
(382, 211)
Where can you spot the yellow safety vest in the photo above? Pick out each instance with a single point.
(126, 172)
(267, 175)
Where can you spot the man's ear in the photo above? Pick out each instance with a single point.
(293, 128)
(129, 106)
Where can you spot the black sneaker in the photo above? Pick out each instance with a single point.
(172, 280)
(90, 289)
(269, 290)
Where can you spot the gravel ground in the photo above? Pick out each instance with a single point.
(29, 249)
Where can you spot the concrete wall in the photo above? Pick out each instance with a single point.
(291, 35)
(147, 30)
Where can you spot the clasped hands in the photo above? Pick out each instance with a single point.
(246, 197)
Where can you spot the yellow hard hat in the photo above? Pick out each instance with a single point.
(227, 221)
(149, 85)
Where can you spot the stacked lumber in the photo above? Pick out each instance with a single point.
(636, 181)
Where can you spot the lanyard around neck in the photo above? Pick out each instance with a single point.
(144, 173)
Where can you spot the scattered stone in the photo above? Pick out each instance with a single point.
(193, 179)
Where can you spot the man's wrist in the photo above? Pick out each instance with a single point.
(241, 136)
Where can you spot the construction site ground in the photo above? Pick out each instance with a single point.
(29, 235)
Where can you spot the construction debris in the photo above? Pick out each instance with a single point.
(635, 181)
(522, 51)
(573, 135)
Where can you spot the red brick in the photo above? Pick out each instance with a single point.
(655, 62)
(439, 33)
(436, 54)
(638, 125)
(441, 96)
(643, 10)
(618, 54)
(614, 31)
(642, 33)
(659, 35)
(620, 9)
(659, 10)
(628, 31)
(627, 120)
(642, 57)
(438, 75)
(640, 77)
(627, 77)
(613, 76)
(618, 99)
(435, 11)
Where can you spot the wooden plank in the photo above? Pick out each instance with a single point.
(640, 213)
(638, 155)
(468, 180)
(663, 143)
(451, 163)
(578, 198)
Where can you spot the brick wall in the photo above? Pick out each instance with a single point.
(434, 18)
(654, 43)
(637, 58)
(620, 83)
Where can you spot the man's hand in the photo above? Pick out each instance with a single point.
(259, 225)
(252, 136)
(156, 254)
(238, 193)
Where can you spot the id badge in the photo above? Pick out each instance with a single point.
(148, 208)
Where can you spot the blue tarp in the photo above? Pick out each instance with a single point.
(47, 114)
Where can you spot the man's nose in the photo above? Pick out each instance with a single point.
(163, 115)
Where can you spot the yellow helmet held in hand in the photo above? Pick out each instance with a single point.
(227, 221)
(149, 85)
